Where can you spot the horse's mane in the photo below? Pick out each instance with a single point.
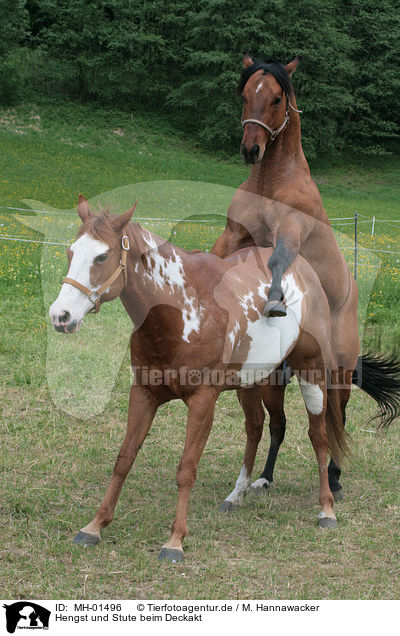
(99, 226)
(276, 69)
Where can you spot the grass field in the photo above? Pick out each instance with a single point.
(56, 460)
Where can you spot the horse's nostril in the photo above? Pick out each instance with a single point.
(255, 151)
(64, 317)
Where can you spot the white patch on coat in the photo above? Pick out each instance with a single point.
(247, 303)
(71, 299)
(259, 87)
(270, 338)
(233, 333)
(170, 272)
(241, 488)
(312, 396)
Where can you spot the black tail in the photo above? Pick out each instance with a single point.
(379, 376)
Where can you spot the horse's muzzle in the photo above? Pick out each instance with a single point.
(252, 155)
(64, 324)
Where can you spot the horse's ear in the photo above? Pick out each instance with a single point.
(83, 208)
(291, 67)
(122, 221)
(247, 60)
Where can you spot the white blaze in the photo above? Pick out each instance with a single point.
(71, 299)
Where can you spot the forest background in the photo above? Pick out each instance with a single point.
(183, 60)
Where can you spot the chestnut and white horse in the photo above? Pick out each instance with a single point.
(199, 330)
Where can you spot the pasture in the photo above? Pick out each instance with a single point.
(60, 438)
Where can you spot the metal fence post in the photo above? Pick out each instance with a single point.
(355, 244)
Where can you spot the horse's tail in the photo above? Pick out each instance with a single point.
(337, 436)
(379, 376)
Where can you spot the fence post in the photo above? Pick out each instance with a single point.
(373, 226)
(355, 244)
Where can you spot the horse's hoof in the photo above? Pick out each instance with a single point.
(228, 506)
(275, 309)
(338, 494)
(260, 486)
(171, 554)
(84, 538)
(327, 522)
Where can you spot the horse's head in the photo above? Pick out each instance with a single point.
(96, 267)
(266, 89)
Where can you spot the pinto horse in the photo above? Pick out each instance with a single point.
(279, 205)
(199, 330)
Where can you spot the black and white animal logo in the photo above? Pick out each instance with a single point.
(26, 615)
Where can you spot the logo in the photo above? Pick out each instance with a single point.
(26, 615)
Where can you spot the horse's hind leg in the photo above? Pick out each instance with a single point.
(323, 409)
(346, 345)
(142, 409)
(251, 402)
(334, 469)
(273, 398)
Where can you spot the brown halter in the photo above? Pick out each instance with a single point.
(273, 133)
(94, 295)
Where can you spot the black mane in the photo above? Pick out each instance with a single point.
(276, 69)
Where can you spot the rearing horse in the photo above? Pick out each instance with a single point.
(199, 330)
(280, 205)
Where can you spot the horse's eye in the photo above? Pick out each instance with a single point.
(277, 100)
(101, 258)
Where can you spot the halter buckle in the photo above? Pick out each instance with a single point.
(94, 296)
(125, 243)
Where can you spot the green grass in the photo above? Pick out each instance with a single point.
(56, 464)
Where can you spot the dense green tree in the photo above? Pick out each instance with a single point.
(183, 59)
(13, 34)
(374, 29)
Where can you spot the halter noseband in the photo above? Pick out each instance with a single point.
(277, 131)
(94, 295)
(276, 70)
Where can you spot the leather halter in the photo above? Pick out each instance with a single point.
(94, 295)
(273, 133)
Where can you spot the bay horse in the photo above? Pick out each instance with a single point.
(199, 330)
(279, 205)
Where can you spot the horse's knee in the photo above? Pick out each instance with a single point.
(277, 427)
(186, 475)
(256, 432)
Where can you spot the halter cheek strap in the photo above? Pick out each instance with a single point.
(94, 295)
(273, 133)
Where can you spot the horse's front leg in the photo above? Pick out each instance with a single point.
(227, 243)
(200, 418)
(234, 237)
(142, 409)
(290, 235)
